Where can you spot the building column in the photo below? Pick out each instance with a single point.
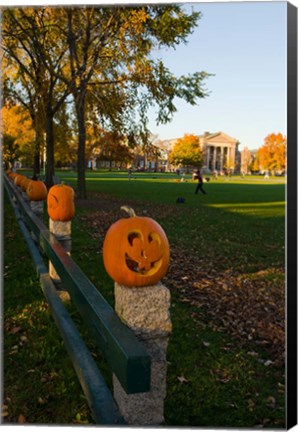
(208, 157)
(214, 157)
(221, 158)
(228, 157)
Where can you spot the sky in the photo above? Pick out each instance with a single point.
(244, 45)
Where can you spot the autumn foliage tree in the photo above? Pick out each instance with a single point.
(17, 133)
(187, 151)
(114, 149)
(76, 54)
(272, 155)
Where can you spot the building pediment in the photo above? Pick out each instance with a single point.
(218, 138)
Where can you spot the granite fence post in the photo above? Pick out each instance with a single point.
(145, 310)
(62, 232)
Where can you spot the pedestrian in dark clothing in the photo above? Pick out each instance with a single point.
(200, 183)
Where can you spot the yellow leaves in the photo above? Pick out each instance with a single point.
(17, 123)
(186, 151)
(135, 22)
(272, 155)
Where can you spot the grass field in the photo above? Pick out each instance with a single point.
(227, 282)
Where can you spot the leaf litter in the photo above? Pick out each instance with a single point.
(248, 306)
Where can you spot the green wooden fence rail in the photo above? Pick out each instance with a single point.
(127, 358)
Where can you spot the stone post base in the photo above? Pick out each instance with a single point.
(37, 208)
(62, 231)
(146, 311)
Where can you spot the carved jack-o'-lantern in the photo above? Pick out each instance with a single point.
(136, 251)
(36, 190)
(60, 203)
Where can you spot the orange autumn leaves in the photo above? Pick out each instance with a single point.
(272, 155)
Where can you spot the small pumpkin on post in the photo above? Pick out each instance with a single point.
(12, 175)
(18, 179)
(24, 183)
(61, 203)
(37, 194)
(136, 251)
(36, 190)
(61, 209)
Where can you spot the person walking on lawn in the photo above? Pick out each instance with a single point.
(200, 183)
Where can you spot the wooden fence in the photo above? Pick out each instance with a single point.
(124, 354)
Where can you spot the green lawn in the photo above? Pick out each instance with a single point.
(225, 364)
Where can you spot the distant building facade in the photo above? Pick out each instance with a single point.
(220, 152)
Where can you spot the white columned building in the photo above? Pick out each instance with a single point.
(219, 151)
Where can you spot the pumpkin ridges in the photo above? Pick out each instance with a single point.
(18, 179)
(60, 202)
(24, 183)
(36, 190)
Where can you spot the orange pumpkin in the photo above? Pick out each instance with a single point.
(136, 251)
(18, 179)
(24, 183)
(60, 203)
(12, 175)
(36, 190)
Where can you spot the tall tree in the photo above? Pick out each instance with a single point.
(17, 133)
(187, 151)
(114, 149)
(31, 42)
(272, 155)
(97, 50)
(110, 48)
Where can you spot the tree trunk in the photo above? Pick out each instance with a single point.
(36, 156)
(81, 165)
(50, 169)
(36, 162)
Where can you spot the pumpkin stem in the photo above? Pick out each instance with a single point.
(130, 211)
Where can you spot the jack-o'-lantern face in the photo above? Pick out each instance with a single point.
(136, 251)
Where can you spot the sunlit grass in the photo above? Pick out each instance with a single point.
(265, 209)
